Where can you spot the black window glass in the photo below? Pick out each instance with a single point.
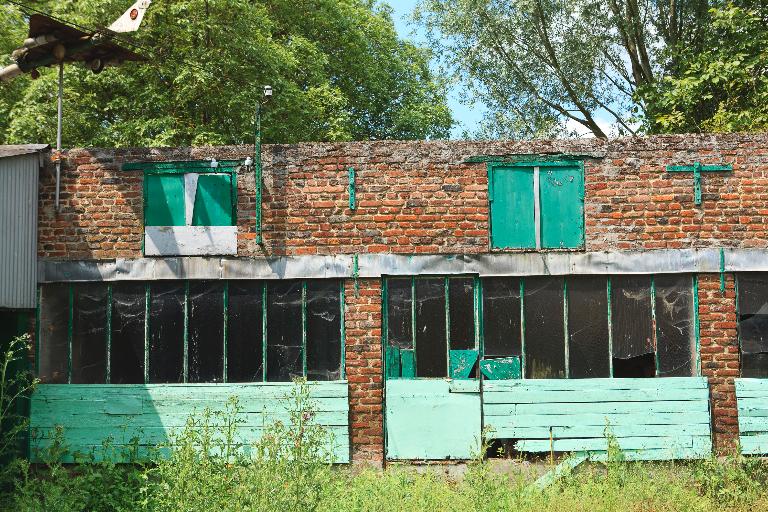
(431, 343)
(166, 332)
(89, 333)
(501, 317)
(244, 332)
(54, 321)
(399, 313)
(206, 331)
(675, 336)
(588, 344)
(323, 330)
(126, 353)
(461, 312)
(544, 328)
(284, 331)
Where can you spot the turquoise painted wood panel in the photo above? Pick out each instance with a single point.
(512, 207)
(752, 404)
(393, 362)
(425, 420)
(139, 417)
(407, 364)
(213, 201)
(504, 368)
(164, 201)
(665, 418)
(561, 192)
(462, 363)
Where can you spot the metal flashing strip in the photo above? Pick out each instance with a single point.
(664, 261)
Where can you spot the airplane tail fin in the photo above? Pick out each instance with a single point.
(131, 19)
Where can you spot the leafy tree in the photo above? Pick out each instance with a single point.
(723, 88)
(536, 64)
(337, 67)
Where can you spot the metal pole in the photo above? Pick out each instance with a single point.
(58, 133)
(257, 163)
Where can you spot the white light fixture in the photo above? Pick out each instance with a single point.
(267, 91)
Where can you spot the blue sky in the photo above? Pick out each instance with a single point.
(466, 118)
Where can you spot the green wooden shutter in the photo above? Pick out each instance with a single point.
(561, 191)
(512, 208)
(213, 201)
(164, 200)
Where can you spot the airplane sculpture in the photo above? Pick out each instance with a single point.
(52, 42)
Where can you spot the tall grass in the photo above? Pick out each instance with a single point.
(205, 467)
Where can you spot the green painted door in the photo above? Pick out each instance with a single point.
(512, 208)
(432, 419)
(213, 201)
(561, 192)
(164, 200)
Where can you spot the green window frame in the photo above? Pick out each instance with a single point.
(57, 325)
(400, 361)
(536, 205)
(752, 328)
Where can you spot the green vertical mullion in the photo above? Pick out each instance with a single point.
(225, 299)
(522, 327)
(186, 331)
(565, 328)
(37, 332)
(413, 321)
(264, 331)
(655, 327)
(304, 327)
(70, 321)
(696, 332)
(610, 328)
(108, 376)
(479, 333)
(447, 301)
(342, 299)
(384, 324)
(147, 298)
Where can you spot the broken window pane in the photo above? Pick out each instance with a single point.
(54, 319)
(461, 304)
(323, 330)
(588, 344)
(544, 329)
(399, 302)
(675, 336)
(632, 325)
(206, 332)
(89, 334)
(284, 331)
(166, 332)
(431, 343)
(126, 353)
(501, 317)
(635, 367)
(244, 332)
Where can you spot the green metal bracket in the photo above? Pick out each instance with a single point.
(697, 168)
(351, 177)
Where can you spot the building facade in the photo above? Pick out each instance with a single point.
(546, 294)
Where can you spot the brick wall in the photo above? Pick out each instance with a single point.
(720, 356)
(422, 197)
(364, 370)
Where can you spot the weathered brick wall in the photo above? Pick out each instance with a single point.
(364, 370)
(720, 355)
(421, 197)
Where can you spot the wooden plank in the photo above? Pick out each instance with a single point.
(538, 420)
(464, 386)
(462, 362)
(491, 409)
(680, 444)
(330, 389)
(598, 383)
(598, 431)
(501, 369)
(750, 384)
(754, 444)
(425, 420)
(752, 423)
(523, 396)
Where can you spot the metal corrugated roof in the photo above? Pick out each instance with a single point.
(22, 149)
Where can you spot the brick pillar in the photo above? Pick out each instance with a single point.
(720, 356)
(365, 370)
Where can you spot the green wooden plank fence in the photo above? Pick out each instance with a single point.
(752, 403)
(136, 418)
(650, 419)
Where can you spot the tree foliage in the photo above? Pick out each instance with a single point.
(539, 65)
(337, 67)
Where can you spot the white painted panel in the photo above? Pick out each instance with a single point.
(190, 240)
